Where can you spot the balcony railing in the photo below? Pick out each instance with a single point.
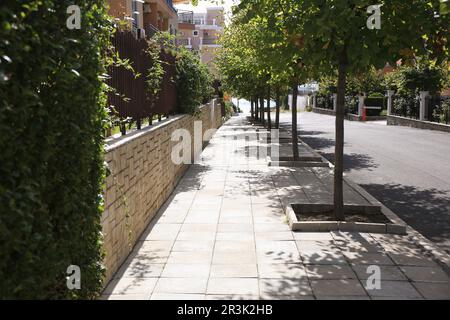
(207, 22)
(150, 30)
(185, 16)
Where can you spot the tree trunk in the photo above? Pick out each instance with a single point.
(294, 121)
(269, 119)
(277, 108)
(286, 101)
(256, 109)
(261, 105)
(338, 194)
(251, 108)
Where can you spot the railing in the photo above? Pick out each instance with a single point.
(351, 105)
(206, 22)
(325, 102)
(438, 109)
(185, 16)
(131, 99)
(150, 30)
(406, 106)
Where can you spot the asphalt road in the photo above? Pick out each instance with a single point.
(405, 168)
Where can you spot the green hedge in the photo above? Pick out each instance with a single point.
(52, 113)
(193, 80)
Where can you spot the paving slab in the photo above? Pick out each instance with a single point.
(234, 271)
(330, 272)
(433, 291)
(242, 286)
(347, 287)
(425, 274)
(284, 287)
(223, 235)
(394, 289)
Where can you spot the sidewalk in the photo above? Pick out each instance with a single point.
(223, 235)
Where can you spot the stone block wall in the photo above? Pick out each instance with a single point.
(142, 177)
(407, 122)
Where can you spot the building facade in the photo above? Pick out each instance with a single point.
(146, 16)
(200, 31)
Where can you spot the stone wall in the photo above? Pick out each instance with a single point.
(328, 112)
(142, 177)
(350, 117)
(402, 121)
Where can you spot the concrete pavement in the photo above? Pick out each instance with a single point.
(223, 235)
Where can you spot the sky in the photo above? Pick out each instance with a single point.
(202, 4)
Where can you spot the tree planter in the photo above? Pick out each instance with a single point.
(359, 218)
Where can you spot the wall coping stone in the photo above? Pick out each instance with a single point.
(112, 143)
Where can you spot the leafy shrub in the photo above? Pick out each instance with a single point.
(406, 105)
(52, 115)
(193, 80)
(229, 109)
(324, 101)
(424, 76)
(369, 82)
(442, 113)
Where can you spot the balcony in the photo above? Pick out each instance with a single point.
(207, 23)
(185, 16)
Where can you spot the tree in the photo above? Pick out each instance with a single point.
(344, 36)
(254, 44)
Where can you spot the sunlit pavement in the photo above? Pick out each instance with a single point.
(223, 235)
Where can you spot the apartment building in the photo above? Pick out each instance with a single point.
(146, 16)
(200, 31)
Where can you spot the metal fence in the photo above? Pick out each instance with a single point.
(325, 102)
(438, 109)
(131, 98)
(406, 106)
(351, 105)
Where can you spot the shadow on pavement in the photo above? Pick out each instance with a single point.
(426, 210)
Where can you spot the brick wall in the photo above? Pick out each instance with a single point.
(142, 177)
